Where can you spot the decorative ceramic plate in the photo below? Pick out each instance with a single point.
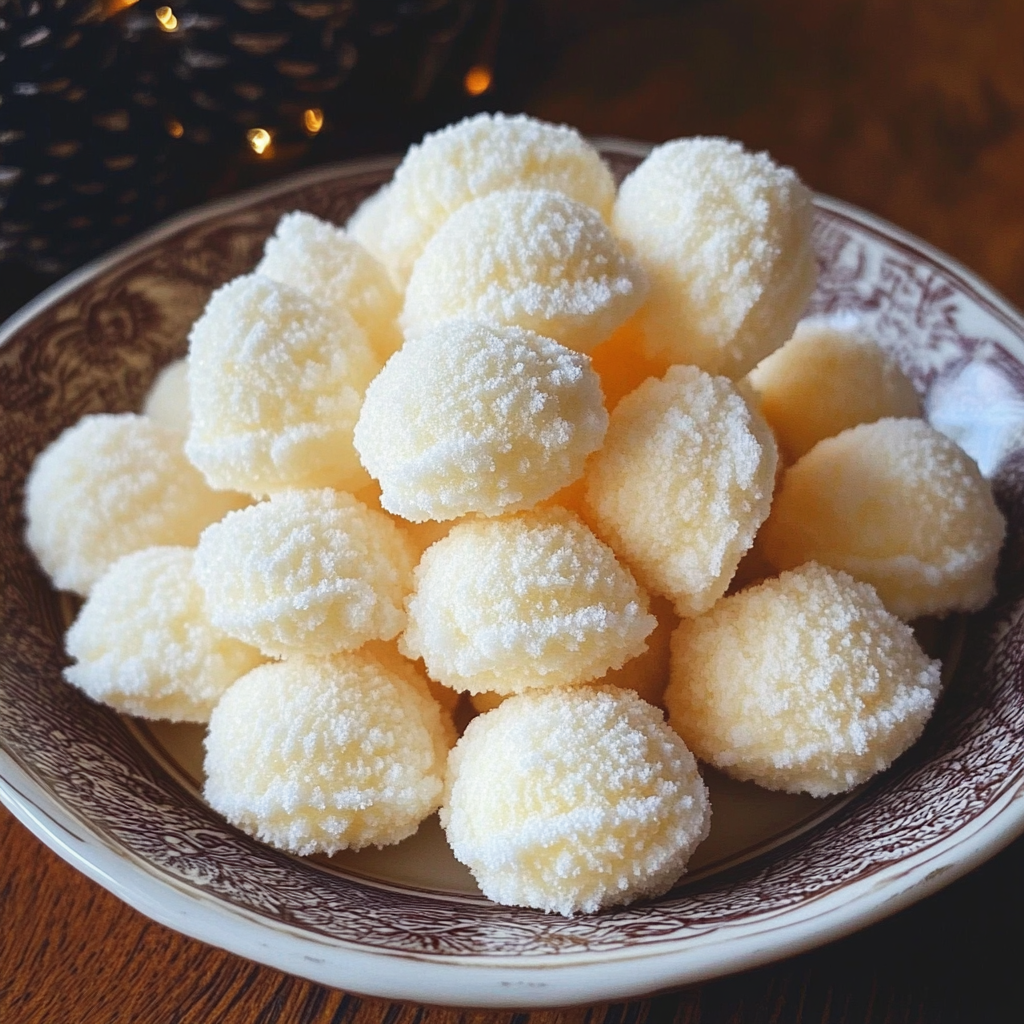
(120, 800)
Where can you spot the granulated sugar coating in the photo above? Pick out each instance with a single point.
(334, 270)
(898, 505)
(110, 485)
(312, 572)
(824, 380)
(471, 417)
(725, 236)
(275, 384)
(530, 600)
(466, 161)
(167, 399)
(316, 755)
(527, 258)
(143, 645)
(682, 484)
(804, 683)
(573, 799)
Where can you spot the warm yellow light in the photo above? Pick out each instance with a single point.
(478, 80)
(260, 139)
(175, 129)
(113, 6)
(313, 119)
(168, 22)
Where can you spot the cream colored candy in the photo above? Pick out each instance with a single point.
(142, 642)
(470, 159)
(725, 236)
(275, 384)
(682, 484)
(336, 271)
(898, 505)
(573, 799)
(368, 225)
(316, 755)
(824, 380)
(804, 683)
(469, 417)
(313, 572)
(110, 485)
(531, 600)
(167, 400)
(527, 258)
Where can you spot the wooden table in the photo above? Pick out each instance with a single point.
(914, 110)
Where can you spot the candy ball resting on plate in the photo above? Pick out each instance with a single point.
(725, 236)
(682, 484)
(110, 485)
(167, 399)
(898, 505)
(142, 642)
(311, 572)
(824, 380)
(471, 417)
(527, 258)
(275, 383)
(804, 683)
(316, 755)
(573, 799)
(523, 601)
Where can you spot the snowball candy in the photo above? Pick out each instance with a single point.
(469, 417)
(311, 572)
(143, 645)
(336, 271)
(534, 259)
(682, 484)
(573, 799)
(824, 380)
(528, 600)
(110, 485)
(316, 755)
(898, 505)
(167, 400)
(470, 159)
(725, 236)
(804, 683)
(275, 384)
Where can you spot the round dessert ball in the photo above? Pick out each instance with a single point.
(824, 380)
(167, 400)
(110, 485)
(275, 384)
(464, 161)
(142, 642)
(573, 799)
(898, 505)
(527, 258)
(472, 417)
(313, 572)
(725, 237)
(682, 484)
(334, 270)
(804, 683)
(530, 600)
(316, 755)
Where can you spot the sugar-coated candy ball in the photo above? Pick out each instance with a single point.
(804, 683)
(336, 271)
(167, 399)
(309, 571)
(682, 484)
(110, 485)
(275, 384)
(528, 600)
(143, 644)
(898, 505)
(316, 755)
(470, 159)
(527, 258)
(573, 799)
(824, 380)
(725, 236)
(472, 417)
